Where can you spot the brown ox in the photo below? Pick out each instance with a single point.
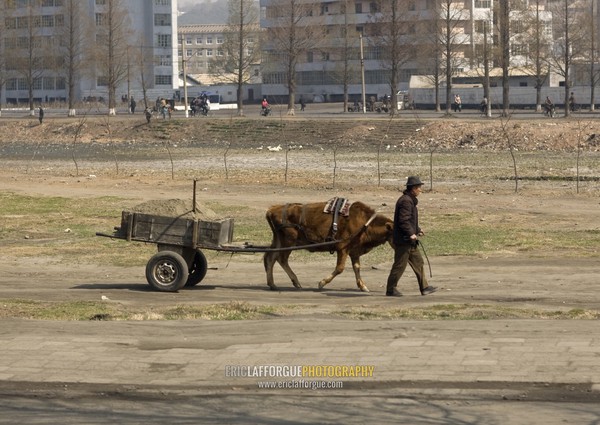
(306, 224)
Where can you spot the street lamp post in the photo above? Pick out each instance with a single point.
(185, 97)
(362, 75)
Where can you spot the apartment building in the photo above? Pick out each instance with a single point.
(318, 67)
(201, 44)
(33, 45)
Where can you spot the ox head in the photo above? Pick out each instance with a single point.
(383, 229)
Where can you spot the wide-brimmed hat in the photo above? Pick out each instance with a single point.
(413, 181)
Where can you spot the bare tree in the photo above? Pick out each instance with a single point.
(451, 36)
(535, 36)
(24, 53)
(348, 51)
(240, 51)
(3, 72)
(392, 34)
(504, 8)
(431, 57)
(589, 53)
(296, 32)
(568, 44)
(112, 34)
(75, 39)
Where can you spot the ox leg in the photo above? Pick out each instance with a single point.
(282, 259)
(356, 267)
(339, 268)
(269, 262)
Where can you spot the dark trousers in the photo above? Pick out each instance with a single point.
(407, 254)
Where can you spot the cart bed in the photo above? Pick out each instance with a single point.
(174, 230)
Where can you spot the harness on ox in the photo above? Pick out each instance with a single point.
(335, 206)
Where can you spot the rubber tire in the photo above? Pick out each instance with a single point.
(198, 269)
(167, 271)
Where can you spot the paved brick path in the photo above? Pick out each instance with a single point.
(197, 353)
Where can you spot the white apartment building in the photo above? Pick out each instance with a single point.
(202, 43)
(36, 28)
(318, 68)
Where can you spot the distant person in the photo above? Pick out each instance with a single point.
(132, 105)
(483, 106)
(163, 107)
(549, 107)
(457, 103)
(265, 109)
(41, 115)
(572, 102)
(302, 103)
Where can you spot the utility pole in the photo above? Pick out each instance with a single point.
(362, 74)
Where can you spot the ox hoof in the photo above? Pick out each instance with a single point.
(273, 288)
(322, 285)
(364, 289)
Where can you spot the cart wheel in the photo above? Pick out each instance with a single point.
(198, 269)
(167, 271)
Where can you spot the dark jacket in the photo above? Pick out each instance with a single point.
(406, 218)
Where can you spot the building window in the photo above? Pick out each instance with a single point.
(100, 2)
(163, 80)
(11, 84)
(199, 52)
(199, 39)
(51, 3)
(47, 21)
(162, 20)
(483, 4)
(219, 40)
(358, 8)
(162, 2)
(22, 22)
(102, 82)
(220, 52)
(189, 53)
(100, 19)
(209, 39)
(48, 83)
(309, 57)
(164, 60)
(164, 40)
(209, 52)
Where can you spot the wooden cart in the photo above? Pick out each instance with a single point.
(179, 261)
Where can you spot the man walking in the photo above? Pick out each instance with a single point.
(406, 242)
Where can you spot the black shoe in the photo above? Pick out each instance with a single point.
(428, 290)
(393, 293)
